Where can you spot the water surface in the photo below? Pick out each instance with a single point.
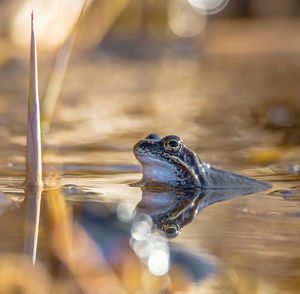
(227, 111)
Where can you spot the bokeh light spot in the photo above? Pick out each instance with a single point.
(208, 6)
(158, 263)
(184, 21)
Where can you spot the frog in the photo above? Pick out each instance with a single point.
(168, 162)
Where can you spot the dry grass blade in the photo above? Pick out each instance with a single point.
(33, 152)
(58, 74)
(101, 15)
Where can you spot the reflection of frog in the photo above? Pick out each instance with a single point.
(172, 209)
(168, 162)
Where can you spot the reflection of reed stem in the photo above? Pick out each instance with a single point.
(33, 152)
(32, 219)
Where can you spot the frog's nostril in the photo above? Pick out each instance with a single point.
(143, 144)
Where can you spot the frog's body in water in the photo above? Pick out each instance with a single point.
(168, 162)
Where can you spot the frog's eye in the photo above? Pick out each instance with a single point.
(172, 230)
(173, 145)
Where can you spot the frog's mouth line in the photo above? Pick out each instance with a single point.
(152, 159)
(148, 158)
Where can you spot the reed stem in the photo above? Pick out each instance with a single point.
(33, 147)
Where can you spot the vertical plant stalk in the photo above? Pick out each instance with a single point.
(109, 13)
(33, 180)
(58, 74)
(33, 151)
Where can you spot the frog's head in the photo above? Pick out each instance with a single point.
(167, 162)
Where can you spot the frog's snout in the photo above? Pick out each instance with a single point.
(142, 147)
(138, 146)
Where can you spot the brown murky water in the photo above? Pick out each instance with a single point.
(240, 114)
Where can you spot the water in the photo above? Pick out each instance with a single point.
(233, 113)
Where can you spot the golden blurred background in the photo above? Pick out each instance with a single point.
(221, 74)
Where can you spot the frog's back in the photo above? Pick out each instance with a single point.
(215, 178)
